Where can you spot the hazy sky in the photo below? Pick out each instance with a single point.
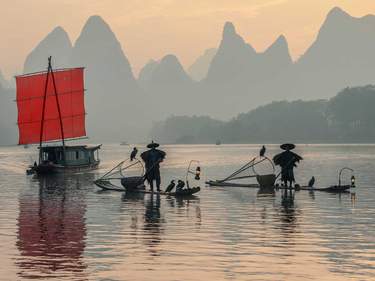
(152, 28)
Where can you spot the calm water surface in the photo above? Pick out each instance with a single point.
(67, 229)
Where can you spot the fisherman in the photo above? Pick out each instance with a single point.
(287, 161)
(152, 158)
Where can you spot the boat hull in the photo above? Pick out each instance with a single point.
(46, 169)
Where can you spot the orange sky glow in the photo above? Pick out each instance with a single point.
(153, 28)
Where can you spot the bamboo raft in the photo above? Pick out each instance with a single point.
(331, 189)
(107, 185)
(267, 181)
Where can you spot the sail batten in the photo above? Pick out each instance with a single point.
(30, 98)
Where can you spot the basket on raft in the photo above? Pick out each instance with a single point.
(133, 183)
(266, 181)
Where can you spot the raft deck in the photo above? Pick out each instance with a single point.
(334, 188)
(107, 185)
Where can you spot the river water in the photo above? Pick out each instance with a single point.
(65, 228)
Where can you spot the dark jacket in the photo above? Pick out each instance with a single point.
(152, 158)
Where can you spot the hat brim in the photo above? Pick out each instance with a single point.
(153, 145)
(287, 146)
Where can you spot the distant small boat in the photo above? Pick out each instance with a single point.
(124, 143)
(218, 142)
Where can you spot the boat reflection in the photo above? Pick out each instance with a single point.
(51, 228)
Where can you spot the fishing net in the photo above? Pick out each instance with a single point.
(126, 173)
(263, 166)
(258, 166)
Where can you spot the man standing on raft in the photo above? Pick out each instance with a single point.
(152, 158)
(287, 161)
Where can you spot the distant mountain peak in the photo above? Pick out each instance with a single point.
(58, 35)
(341, 31)
(169, 70)
(170, 63)
(96, 27)
(233, 57)
(281, 39)
(95, 19)
(231, 39)
(278, 53)
(337, 12)
(280, 43)
(198, 70)
(170, 59)
(229, 29)
(336, 18)
(145, 75)
(56, 44)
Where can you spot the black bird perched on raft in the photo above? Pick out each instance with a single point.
(311, 182)
(170, 186)
(262, 151)
(133, 154)
(180, 185)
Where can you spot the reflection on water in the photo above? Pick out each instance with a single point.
(51, 228)
(153, 224)
(63, 228)
(288, 212)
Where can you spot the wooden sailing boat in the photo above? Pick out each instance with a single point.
(51, 108)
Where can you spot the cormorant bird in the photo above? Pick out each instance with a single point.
(133, 154)
(262, 151)
(170, 186)
(180, 185)
(311, 182)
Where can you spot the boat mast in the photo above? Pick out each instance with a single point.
(50, 70)
(58, 108)
(43, 111)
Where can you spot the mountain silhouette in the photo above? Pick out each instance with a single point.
(169, 72)
(113, 92)
(56, 44)
(198, 70)
(233, 59)
(98, 49)
(341, 56)
(169, 85)
(277, 57)
(233, 78)
(145, 75)
(8, 116)
(3, 82)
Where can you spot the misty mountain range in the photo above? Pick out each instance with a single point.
(222, 82)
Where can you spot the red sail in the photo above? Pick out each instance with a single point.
(30, 97)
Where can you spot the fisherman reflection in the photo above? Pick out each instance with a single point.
(152, 222)
(287, 160)
(288, 211)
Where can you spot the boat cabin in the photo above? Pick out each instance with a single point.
(78, 155)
